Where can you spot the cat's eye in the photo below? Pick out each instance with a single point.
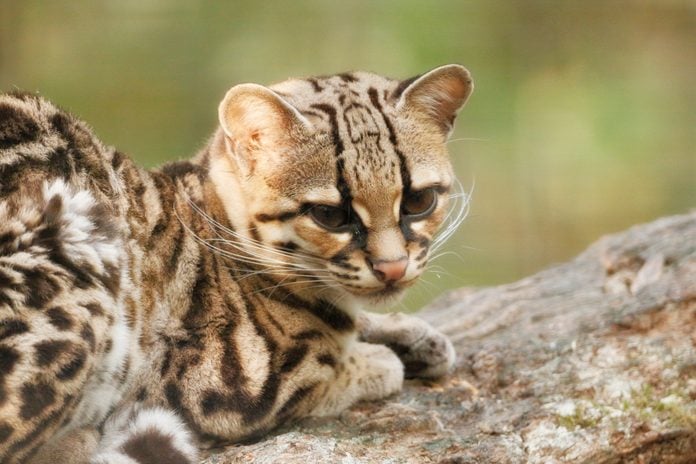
(420, 204)
(331, 218)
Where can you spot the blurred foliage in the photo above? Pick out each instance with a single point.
(582, 123)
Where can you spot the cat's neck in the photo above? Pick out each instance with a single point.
(225, 177)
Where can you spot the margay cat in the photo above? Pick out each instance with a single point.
(146, 313)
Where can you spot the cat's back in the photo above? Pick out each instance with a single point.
(40, 142)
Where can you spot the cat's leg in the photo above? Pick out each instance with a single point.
(425, 352)
(367, 372)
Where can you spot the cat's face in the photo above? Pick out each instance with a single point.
(345, 178)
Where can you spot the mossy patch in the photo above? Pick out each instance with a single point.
(582, 417)
(673, 408)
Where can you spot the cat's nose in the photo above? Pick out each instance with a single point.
(389, 270)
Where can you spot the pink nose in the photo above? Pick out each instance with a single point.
(389, 271)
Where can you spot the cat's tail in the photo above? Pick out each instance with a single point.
(145, 436)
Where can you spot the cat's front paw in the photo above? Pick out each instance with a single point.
(424, 351)
(386, 371)
(429, 356)
(368, 372)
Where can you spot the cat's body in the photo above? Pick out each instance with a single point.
(221, 293)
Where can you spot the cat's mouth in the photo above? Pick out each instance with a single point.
(387, 291)
(382, 294)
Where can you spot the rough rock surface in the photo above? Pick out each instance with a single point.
(592, 361)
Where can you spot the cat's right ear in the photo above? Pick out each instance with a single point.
(255, 118)
(438, 94)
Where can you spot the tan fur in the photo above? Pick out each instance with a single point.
(207, 287)
(76, 447)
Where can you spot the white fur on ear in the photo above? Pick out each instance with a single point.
(253, 114)
(439, 94)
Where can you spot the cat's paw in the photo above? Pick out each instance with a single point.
(387, 375)
(368, 372)
(424, 351)
(429, 356)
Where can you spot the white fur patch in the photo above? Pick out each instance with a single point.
(425, 178)
(363, 213)
(81, 239)
(103, 390)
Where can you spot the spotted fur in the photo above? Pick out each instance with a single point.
(145, 314)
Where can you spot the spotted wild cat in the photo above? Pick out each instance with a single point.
(146, 314)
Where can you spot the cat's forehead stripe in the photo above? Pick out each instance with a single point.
(405, 174)
(351, 122)
(341, 183)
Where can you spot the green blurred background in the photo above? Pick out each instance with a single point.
(582, 123)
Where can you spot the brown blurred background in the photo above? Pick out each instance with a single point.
(583, 121)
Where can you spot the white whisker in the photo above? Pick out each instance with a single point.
(248, 241)
(447, 253)
(273, 272)
(272, 288)
(468, 139)
(247, 251)
(457, 214)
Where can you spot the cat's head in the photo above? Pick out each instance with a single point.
(340, 181)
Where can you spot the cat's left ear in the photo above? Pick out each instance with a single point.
(438, 94)
(255, 118)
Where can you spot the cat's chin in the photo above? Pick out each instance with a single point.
(380, 300)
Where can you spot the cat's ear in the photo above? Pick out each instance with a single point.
(438, 94)
(255, 117)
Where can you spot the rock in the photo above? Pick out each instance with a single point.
(592, 361)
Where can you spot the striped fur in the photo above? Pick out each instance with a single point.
(204, 293)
